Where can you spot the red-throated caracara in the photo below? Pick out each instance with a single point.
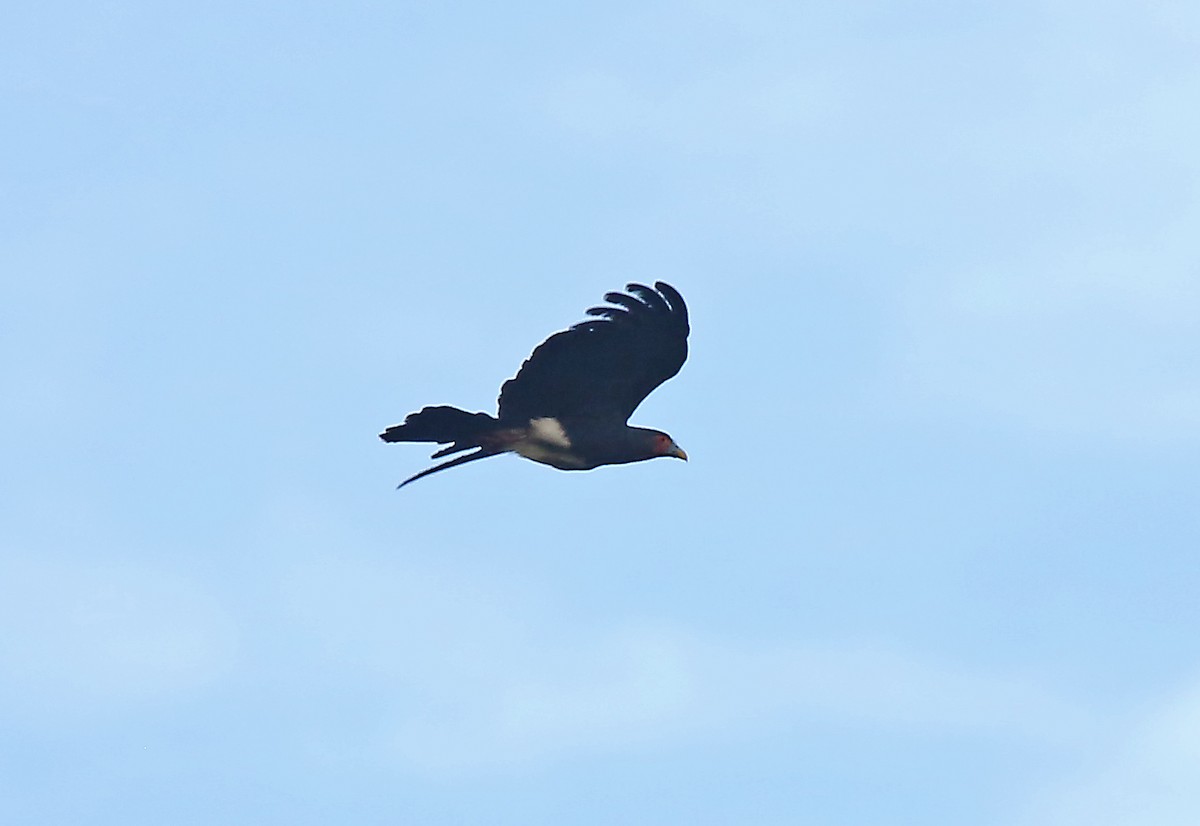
(569, 403)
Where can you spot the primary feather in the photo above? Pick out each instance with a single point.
(605, 366)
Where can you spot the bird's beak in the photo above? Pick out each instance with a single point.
(677, 452)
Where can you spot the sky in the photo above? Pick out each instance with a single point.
(933, 559)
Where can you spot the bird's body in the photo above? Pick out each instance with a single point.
(568, 405)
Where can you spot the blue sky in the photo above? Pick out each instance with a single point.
(934, 557)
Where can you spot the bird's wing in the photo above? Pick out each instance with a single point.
(605, 366)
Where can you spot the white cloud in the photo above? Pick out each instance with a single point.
(1150, 778)
(471, 679)
(80, 638)
(1075, 312)
(725, 112)
(648, 687)
(1096, 340)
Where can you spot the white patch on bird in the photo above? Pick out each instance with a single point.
(546, 441)
(549, 431)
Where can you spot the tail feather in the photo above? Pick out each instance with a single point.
(440, 424)
(461, 460)
(444, 424)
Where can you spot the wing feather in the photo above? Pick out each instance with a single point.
(603, 367)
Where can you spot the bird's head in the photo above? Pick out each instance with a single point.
(664, 445)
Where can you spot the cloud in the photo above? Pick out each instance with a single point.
(468, 679)
(646, 687)
(80, 638)
(1097, 340)
(1151, 777)
(724, 113)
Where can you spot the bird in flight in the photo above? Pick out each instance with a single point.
(569, 403)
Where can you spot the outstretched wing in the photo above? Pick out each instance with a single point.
(605, 366)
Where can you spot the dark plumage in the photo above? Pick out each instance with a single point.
(568, 405)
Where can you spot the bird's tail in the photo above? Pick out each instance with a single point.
(443, 424)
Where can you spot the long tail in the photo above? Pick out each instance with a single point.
(445, 424)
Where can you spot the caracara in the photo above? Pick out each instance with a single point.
(569, 403)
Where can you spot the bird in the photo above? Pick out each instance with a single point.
(569, 404)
